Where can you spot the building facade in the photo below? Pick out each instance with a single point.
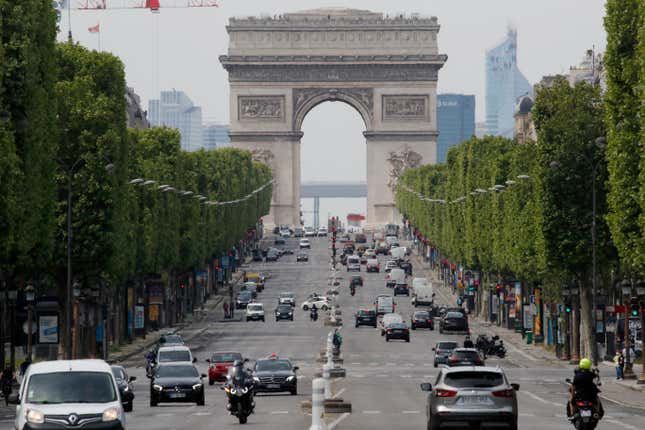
(455, 120)
(505, 84)
(215, 136)
(175, 109)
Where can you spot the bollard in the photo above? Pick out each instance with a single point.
(318, 405)
(327, 378)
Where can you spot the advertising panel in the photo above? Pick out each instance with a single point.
(48, 329)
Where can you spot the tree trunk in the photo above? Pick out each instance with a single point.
(587, 329)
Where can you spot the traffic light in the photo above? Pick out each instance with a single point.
(567, 308)
(635, 307)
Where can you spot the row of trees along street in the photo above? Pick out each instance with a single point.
(525, 212)
(63, 135)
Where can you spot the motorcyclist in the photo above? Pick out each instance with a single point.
(468, 343)
(313, 314)
(583, 387)
(238, 376)
(352, 288)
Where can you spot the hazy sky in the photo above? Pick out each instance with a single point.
(179, 48)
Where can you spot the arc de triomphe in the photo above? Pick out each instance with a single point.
(385, 67)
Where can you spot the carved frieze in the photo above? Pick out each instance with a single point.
(262, 155)
(405, 107)
(361, 96)
(263, 108)
(319, 73)
(400, 161)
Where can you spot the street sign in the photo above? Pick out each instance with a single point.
(619, 309)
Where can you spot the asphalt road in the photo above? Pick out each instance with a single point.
(382, 378)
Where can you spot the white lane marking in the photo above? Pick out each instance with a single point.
(390, 364)
(411, 412)
(406, 376)
(623, 425)
(202, 414)
(279, 412)
(371, 412)
(526, 415)
(341, 391)
(355, 364)
(164, 415)
(539, 399)
(338, 420)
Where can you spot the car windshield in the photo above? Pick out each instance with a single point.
(272, 365)
(286, 295)
(255, 307)
(469, 355)
(168, 356)
(284, 308)
(118, 373)
(473, 379)
(172, 338)
(397, 325)
(244, 295)
(176, 372)
(454, 315)
(447, 345)
(422, 315)
(366, 313)
(71, 387)
(226, 357)
(253, 279)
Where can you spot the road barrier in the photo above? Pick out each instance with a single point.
(318, 405)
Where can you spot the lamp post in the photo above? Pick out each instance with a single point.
(30, 296)
(76, 292)
(640, 290)
(626, 288)
(12, 295)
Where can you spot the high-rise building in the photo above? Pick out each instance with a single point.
(216, 136)
(175, 109)
(505, 84)
(455, 121)
(480, 129)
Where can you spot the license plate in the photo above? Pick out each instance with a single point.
(273, 386)
(474, 400)
(176, 395)
(585, 413)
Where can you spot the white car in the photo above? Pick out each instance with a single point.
(322, 231)
(69, 394)
(304, 243)
(285, 233)
(310, 232)
(255, 311)
(388, 319)
(174, 354)
(321, 303)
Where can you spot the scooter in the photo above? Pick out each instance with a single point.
(585, 416)
(352, 290)
(313, 314)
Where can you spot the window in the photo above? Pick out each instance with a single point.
(226, 357)
(473, 379)
(71, 387)
(177, 372)
(168, 356)
(272, 365)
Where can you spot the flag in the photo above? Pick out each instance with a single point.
(95, 29)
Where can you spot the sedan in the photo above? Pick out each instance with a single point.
(366, 317)
(302, 256)
(454, 322)
(275, 374)
(465, 357)
(397, 331)
(126, 389)
(272, 255)
(284, 312)
(401, 290)
(421, 319)
(471, 396)
(219, 363)
(243, 299)
(442, 351)
(287, 298)
(176, 382)
(304, 243)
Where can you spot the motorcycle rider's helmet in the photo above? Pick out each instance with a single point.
(585, 364)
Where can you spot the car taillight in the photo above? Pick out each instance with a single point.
(388, 330)
(445, 393)
(452, 359)
(429, 321)
(582, 403)
(503, 393)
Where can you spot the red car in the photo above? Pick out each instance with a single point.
(219, 365)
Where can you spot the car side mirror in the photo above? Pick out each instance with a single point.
(208, 360)
(194, 359)
(434, 349)
(516, 387)
(132, 379)
(204, 375)
(13, 399)
(426, 386)
(296, 368)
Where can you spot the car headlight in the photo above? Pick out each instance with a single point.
(256, 379)
(157, 387)
(290, 313)
(291, 378)
(111, 414)
(197, 386)
(126, 389)
(245, 390)
(35, 417)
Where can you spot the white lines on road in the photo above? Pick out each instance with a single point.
(540, 399)
(371, 412)
(411, 412)
(526, 415)
(406, 376)
(355, 364)
(338, 420)
(341, 391)
(621, 424)
(203, 414)
(279, 412)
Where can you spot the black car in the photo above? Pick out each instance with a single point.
(284, 312)
(465, 357)
(126, 389)
(243, 299)
(302, 256)
(279, 241)
(421, 319)
(454, 322)
(407, 267)
(401, 290)
(442, 351)
(170, 339)
(397, 331)
(274, 375)
(272, 255)
(366, 317)
(257, 255)
(176, 382)
(356, 280)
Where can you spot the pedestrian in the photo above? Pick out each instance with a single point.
(225, 306)
(619, 361)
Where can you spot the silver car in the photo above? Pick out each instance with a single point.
(467, 395)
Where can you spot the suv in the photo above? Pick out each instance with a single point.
(366, 317)
(401, 289)
(465, 357)
(69, 394)
(288, 298)
(310, 232)
(172, 354)
(471, 395)
(442, 351)
(284, 312)
(298, 232)
(255, 311)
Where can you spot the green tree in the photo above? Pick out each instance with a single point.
(568, 121)
(624, 21)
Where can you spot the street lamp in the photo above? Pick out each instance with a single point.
(640, 291)
(30, 296)
(626, 289)
(12, 295)
(73, 330)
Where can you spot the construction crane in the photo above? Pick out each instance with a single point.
(153, 5)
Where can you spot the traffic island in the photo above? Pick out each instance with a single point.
(333, 322)
(332, 406)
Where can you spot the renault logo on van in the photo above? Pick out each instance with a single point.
(72, 419)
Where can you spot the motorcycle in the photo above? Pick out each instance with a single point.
(239, 391)
(585, 414)
(352, 289)
(150, 363)
(313, 314)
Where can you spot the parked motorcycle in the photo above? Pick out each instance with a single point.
(239, 391)
(489, 347)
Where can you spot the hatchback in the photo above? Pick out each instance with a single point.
(442, 351)
(465, 357)
(471, 395)
(421, 319)
(366, 317)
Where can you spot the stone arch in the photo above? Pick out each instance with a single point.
(361, 99)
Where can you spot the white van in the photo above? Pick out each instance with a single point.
(354, 263)
(384, 304)
(422, 293)
(396, 276)
(69, 394)
(173, 354)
